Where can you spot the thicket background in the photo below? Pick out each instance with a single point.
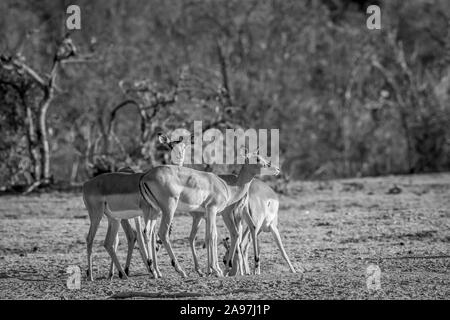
(348, 101)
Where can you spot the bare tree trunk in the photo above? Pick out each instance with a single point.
(40, 147)
(224, 72)
(36, 117)
(43, 137)
(74, 173)
(33, 146)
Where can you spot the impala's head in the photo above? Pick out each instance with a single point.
(165, 140)
(258, 164)
(177, 147)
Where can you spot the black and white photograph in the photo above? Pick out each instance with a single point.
(240, 152)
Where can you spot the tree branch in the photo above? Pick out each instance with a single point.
(133, 294)
(117, 108)
(33, 74)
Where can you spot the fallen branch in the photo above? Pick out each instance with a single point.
(408, 257)
(32, 187)
(133, 294)
(417, 257)
(156, 295)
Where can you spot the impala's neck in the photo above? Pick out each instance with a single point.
(240, 188)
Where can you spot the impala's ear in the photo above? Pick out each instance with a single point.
(163, 138)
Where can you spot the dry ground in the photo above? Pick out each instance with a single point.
(335, 229)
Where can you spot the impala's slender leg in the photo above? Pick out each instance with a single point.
(240, 261)
(166, 220)
(277, 237)
(218, 270)
(113, 228)
(111, 266)
(245, 246)
(258, 255)
(235, 240)
(257, 251)
(142, 246)
(254, 230)
(95, 211)
(256, 268)
(153, 248)
(211, 241)
(196, 220)
(131, 241)
(131, 236)
(238, 266)
(147, 237)
(253, 233)
(208, 248)
(231, 229)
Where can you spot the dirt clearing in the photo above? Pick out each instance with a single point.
(334, 229)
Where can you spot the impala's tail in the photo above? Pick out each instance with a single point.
(150, 198)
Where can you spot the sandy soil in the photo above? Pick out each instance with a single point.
(334, 229)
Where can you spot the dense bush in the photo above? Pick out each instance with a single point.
(348, 101)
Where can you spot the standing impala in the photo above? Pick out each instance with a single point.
(261, 214)
(175, 188)
(114, 195)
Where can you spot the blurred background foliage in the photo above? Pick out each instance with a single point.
(348, 101)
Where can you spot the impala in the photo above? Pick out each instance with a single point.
(261, 214)
(130, 235)
(114, 195)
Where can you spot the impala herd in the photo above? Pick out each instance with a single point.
(168, 189)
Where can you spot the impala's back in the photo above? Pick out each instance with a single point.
(115, 193)
(194, 190)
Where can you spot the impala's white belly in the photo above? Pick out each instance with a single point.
(185, 207)
(124, 214)
(123, 206)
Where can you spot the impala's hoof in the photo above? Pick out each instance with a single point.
(127, 271)
(200, 273)
(218, 273)
(123, 276)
